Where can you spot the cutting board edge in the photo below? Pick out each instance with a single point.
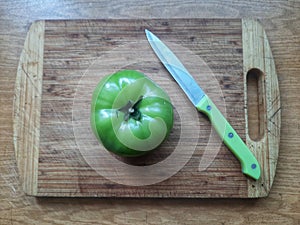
(28, 95)
(257, 54)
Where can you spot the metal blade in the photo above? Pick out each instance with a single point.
(176, 69)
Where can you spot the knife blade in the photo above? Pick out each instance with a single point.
(204, 104)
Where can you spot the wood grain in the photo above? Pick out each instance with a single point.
(77, 54)
(27, 107)
(62, 80)
(258, 56)
(281, 22)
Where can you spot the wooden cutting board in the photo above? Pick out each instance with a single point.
(61, 63)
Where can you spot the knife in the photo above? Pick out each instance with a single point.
(204, 104)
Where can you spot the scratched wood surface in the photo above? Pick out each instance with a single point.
(281, 22)
(63, 61)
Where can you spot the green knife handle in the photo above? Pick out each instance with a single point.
(249, 164)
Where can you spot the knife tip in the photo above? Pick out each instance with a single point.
(147, 32)
(150, 36)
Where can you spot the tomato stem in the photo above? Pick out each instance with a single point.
(130, 110)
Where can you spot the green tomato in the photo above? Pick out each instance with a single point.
(130, 114)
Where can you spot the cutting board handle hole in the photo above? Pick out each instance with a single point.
(256, 104)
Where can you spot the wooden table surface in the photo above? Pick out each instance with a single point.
(281, 22)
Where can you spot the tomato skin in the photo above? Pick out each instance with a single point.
(130, 114)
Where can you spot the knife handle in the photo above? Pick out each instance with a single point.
(232, 140)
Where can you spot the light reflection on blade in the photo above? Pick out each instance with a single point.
(176, 69)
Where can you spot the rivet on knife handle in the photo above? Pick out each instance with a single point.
(201, 101)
